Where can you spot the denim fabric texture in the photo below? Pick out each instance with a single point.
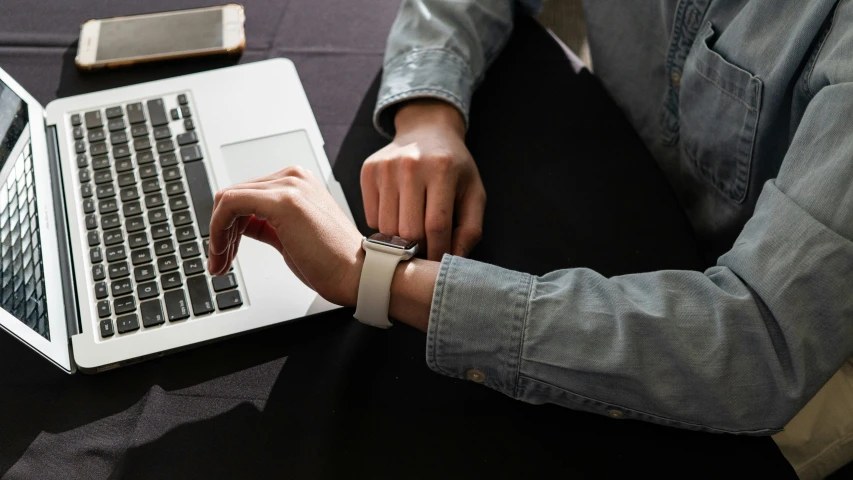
(746, 106)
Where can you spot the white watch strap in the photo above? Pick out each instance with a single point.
(374, 288)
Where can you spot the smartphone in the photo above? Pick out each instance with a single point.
(118, 41)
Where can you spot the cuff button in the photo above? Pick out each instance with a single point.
(475, 376)
(614, 413)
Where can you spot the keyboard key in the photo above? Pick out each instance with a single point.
(161, 133)
(187, 138)
(175, 113)
(135, 113)
(121, 287)
(107, 206)
(101, 162)
(205, 244)
(171, 174)
(147, 290)
(141, 144)
(229, 300)
(75, 119)
(105, 191)
(80, 146)
(119, 270)
(113, 237)
(124, 305)
(167, 264)
(93, 119)
(114, 112)
(116, 125)
(182, 218)
(98, 273)
(191, 153)
(191, 267)
(139, 130)
(138, 239)
(184, 234)
(157, 112)
(129, 194)
(86, 191)
(98, 149)
(161, 231)
(84, 175)
(126, 179)
(106, 328)
(101, 289)
(118, 138)
(135, 224)
(124, 165)
(144, 158)
(171, 280)
(143, 273)
(127, 323)
(104, 308)
(110, 221)
(199, 295)
(156, 216)
(165, 146)
(201, 195)
(96, 255)
(147, 171)
(115, 254)
(176, 305)
(88, 206)
(132, 209)
(77, 133)
(91, 222)
(164, 247)
(152, 313)
(120, 151)
(189, 249)
(226, 282)
(153, 201)
(82, 161)
(140, 256)
(97, 135)
(151, 185)
(103, 176)
(182, 99)
(185, 112)
(174, 188)
(178, 203)
(188, 124)
(168, 160)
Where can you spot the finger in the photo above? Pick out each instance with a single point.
(412, 205)
(293, 170)
(370, 196)
(438, 220)
(389, 205)
(469, 228)
(235, 203)
(262, 231)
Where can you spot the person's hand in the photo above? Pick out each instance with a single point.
(293, 212)
(425, 178)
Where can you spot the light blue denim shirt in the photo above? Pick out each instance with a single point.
(747, 106)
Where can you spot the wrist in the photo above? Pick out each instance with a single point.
(411, 292)
(428, 113)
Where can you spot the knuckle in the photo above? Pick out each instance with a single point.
(297, 171)
(436, 226)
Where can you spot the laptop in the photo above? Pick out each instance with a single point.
(105, 205)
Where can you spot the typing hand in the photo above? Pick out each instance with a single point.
(415, 186)
(293, 212)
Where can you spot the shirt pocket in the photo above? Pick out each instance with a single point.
(719, 105)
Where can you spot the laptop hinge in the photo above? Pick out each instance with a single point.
(72, 317)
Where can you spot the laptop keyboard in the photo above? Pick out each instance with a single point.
(22, 290)
(147, 202)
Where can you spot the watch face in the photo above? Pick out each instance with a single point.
(392, 241)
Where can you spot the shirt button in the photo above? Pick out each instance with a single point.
(613, 413)
(476, 376)
(676, 78)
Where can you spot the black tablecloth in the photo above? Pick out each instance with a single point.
(328, 397)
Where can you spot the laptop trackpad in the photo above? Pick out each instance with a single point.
(255, 158)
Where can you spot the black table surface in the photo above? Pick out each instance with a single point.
(324, 397)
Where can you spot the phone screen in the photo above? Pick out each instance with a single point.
(160, 34)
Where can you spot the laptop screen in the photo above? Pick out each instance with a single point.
(22, 283)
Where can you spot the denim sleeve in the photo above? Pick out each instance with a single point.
(738, 348)
(441, 49)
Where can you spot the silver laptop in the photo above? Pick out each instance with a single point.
(105, 203)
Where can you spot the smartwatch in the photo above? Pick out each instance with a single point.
(382, 254)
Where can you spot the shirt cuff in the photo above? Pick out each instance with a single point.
(477, 322)
(422, 73)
